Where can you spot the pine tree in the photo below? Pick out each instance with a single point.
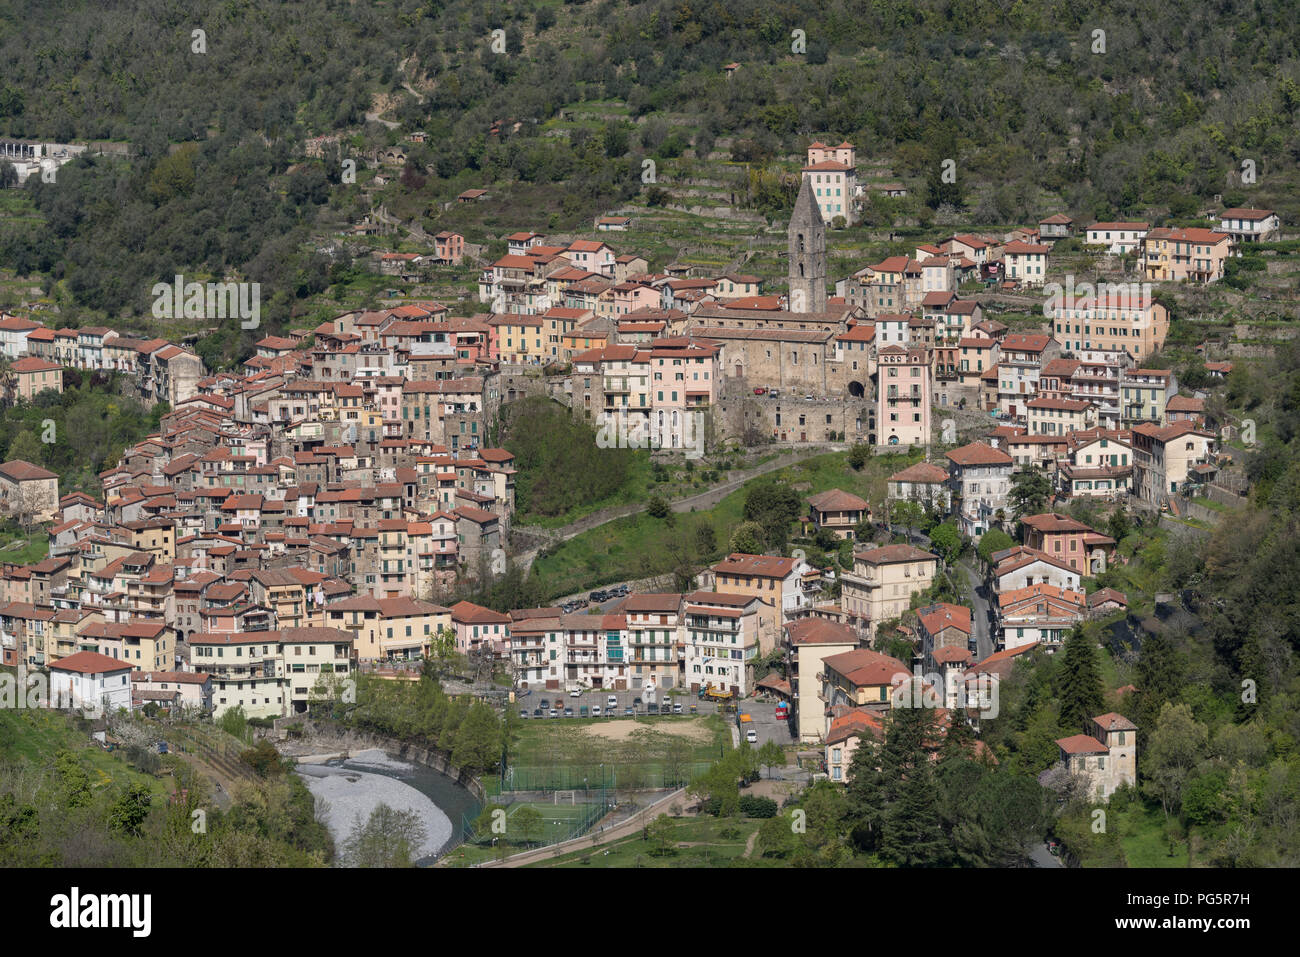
(1081, 690)
(912, 833)
(1159, 678)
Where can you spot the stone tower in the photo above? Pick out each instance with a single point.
(807, 253)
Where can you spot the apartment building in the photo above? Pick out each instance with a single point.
(808, 643)
(980, 478)
(1164, 457)
(721, 641)
(1144, 395)
(1121, 318)
(272, 673)
(776, 582)
(882, 583)
(1105, 758)
(904, 396)
(1185, 255)
(1118, 238)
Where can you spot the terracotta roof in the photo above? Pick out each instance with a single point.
(977, 453)
(838, 500)
(1082, 744)
(819, 631)
(921, 472)
(90, 663)
(892, 554)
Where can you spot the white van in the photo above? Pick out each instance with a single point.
(611, 701)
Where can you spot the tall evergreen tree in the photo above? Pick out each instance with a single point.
(912, 835)
(1159, 678)
(1081, 690)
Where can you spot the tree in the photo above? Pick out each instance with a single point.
(660, 833)
(1159, 679)
(907, 513)
(478, 739)
(1173, 751)
(947, 541)
(127, 814)
(657, 507)
(706, 541)
(388, 838)
(1079, 678)
(864, 531)
(859, 454)
(442, 652)
(994, 540)
(774, 505)
(747, 538)
(1119, 525)
(1030, 491)
(771, 755)
(912, 834)
(527, 821)
(27, 448)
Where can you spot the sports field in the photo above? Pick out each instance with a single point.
(644, 752)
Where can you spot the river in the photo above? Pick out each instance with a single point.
(354, 787)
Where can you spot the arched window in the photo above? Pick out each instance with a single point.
(801, 248)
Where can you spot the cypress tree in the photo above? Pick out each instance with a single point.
(1081, 690)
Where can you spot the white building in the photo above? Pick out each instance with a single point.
(91, 680)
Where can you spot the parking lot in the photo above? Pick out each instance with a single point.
(637, 701)
(765, 723)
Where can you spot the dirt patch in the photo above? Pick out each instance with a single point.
(621, 730)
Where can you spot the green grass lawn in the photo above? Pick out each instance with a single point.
(636, 546)
(34, 736)
(26, 551)
(1142, 835)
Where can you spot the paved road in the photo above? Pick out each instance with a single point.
(981, 608)
(1041, 857)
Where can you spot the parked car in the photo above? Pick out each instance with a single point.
(568, 712)
(595, 710)
(652, 708)
(677, 708)
(612, 701)
(545, 703)
(554, 713)
(538, 712)
(162, 747)
(751, 736)
(629, 710)
(760, 391)
(597, 596)
(523, 712)
(575, 693)
(695, 709)
(636, 702)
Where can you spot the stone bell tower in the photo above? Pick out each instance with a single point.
(807, 253)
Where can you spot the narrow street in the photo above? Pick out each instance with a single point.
(981, 609)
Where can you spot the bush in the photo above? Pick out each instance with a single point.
(757, 807)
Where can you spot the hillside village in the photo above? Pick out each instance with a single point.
(298, 521)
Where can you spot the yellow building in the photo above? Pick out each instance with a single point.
(882, 583)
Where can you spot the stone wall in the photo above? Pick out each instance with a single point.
(322, 737)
